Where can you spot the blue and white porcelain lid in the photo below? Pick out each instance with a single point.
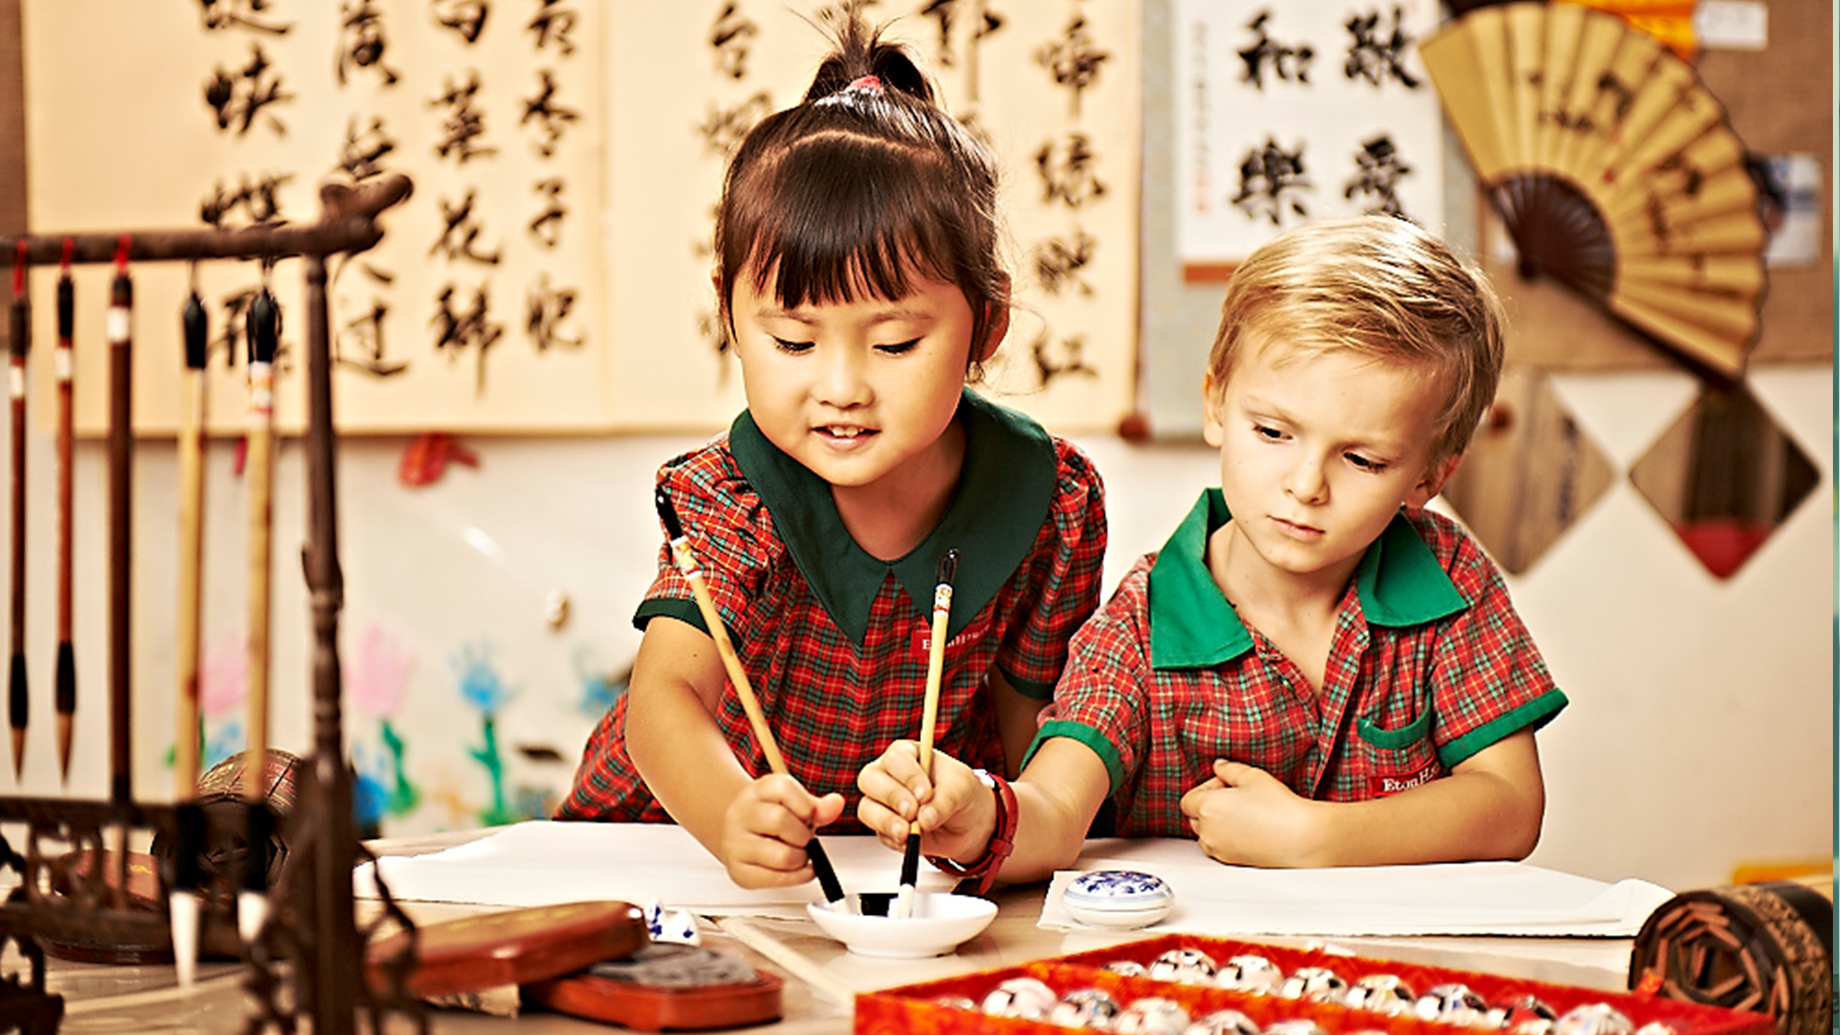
(1118, 889)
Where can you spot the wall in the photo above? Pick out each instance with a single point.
(1699, 736)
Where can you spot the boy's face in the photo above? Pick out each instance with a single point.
(1318, 451)
(856, 391)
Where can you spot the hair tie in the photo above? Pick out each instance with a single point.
(871, 83)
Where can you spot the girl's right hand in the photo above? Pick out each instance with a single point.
(956, 810)
(766, 828)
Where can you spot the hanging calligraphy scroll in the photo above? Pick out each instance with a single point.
(479, 310)
(1052, 83)
(1289, 112)
(551, 270)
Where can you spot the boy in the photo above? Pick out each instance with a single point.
(1314, 670)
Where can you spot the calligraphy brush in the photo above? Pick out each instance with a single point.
(18, 702)
(195, 325)
(929, 718)
(264, 336)
(190, 825)
(66, 674)
(693, 574)
(119, 330)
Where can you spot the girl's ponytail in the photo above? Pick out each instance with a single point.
(862, 53)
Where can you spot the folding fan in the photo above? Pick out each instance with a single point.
(1670, 21)
(1613, 168)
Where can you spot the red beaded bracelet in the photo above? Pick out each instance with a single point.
(980, 875)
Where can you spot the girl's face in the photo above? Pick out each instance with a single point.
(862, 391)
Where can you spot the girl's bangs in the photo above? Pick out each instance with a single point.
(842, 226)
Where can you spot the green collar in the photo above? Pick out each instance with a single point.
(1004, 494)
(1399, 582)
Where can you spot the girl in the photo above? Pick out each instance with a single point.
(860, 287)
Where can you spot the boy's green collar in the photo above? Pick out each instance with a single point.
(1004, 494)
(1398, 580)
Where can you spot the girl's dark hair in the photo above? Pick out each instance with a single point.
(859, 185)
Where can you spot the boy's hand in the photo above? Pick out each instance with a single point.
(1245, 815)
(766, 828)
(956, 810)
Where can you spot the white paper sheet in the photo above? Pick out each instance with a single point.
(1476, 898)
(545, 863)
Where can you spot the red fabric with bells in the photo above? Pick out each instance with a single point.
(913, 1010)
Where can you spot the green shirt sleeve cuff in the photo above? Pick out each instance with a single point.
(674, 607)
(1086, 735)
(1532, 715)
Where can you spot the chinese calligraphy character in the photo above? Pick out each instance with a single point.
(466, 17)
(464, 122)
(236, 319)
(361, 156)
(985, 22)
(1374, 59)
(1052, 360)
(358, 343)
(549, 117)
(1621, 95)
(545, 310)
(256, 199)
(361, 40)
(547, 227)
(461, 235)
(552, 24)
(723, 129)
(1267, 178)
(244, 14)
(459, 331)
(238, 100)
(1059, 262)
(1379, 173)
(1286, 62)
(729, 37)
(1068, 178)
(1074, 61)
(709, 328)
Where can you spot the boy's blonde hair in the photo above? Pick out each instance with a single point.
(1382, 287)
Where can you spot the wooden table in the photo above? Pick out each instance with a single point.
(820, 976)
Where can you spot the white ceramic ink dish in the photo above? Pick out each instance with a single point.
(940, 923)
(1119, 899)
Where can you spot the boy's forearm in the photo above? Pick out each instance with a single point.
(1057, 797)
(1462, 817)
(1489, 807)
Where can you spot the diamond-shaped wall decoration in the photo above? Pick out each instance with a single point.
(1530, 472)
(1724, 477)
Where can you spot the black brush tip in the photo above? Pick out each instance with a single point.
(910, 861)
(667, 514)
(948, 567)
(827, 874)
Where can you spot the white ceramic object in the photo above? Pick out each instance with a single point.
(1118, 899)
(941, 923)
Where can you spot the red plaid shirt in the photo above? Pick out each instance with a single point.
(1429, 664)
(834, 641)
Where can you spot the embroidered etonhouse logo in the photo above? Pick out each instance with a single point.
(1379, 785)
